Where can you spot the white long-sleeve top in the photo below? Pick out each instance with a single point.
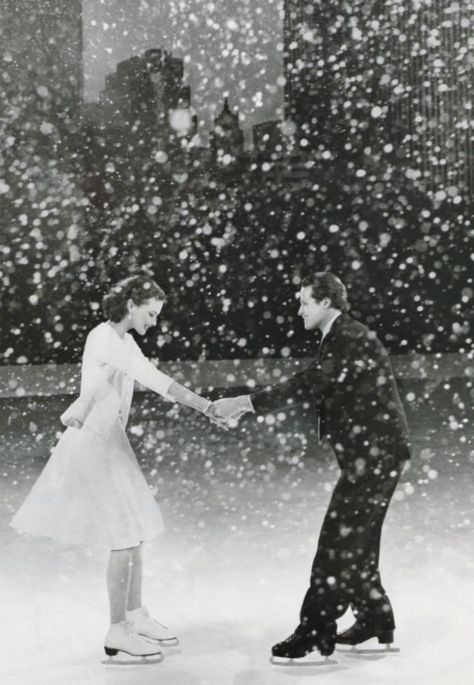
(110, 366)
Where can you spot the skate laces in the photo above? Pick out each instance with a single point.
(131, 632)
(154, 620)
(145, 614)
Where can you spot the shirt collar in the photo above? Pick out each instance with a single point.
(329, 324)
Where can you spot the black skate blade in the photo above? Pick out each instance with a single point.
(302, 661)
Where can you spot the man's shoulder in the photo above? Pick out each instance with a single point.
(350, 329)
(346, 325)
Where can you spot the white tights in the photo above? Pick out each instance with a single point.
(124, 582)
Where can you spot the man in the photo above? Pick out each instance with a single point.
(361, 415)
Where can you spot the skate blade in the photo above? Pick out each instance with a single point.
(361, 651)
(169, 642)
(129, 660)
(165, 642)
(302, 661)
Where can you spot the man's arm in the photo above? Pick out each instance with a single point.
(302, 386)
(310, 383)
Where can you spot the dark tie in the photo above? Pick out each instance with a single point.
(320, 408)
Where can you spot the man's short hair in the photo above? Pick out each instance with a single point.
(325, 284)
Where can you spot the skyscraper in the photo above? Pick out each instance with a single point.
(386, 72)
(430, 76)
(227, 138)
(42, 65)
(314, 42)
(147, 92)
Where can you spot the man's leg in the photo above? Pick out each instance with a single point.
(345, 569)
(370, 602)
(323, 602)
(327, 597)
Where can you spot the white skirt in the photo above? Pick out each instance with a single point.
(91, 492)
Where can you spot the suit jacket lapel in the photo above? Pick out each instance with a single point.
(328, 338)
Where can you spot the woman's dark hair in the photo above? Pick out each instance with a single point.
(325, 284)
(137, 288)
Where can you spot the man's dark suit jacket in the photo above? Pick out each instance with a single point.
(354, 388)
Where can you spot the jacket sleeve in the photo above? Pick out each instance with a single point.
(104, 352)
(340, 366)
(309, 384)
(146, 373)
(130, 361)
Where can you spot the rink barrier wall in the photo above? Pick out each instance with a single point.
(63, 379)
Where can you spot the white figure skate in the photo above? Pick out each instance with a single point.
(122, 638)
(146, 626)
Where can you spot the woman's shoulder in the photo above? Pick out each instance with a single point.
(100, 336)
(102, 330)
(132, 344)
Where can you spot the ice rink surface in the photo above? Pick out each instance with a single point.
(243, 511)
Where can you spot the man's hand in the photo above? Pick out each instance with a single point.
(216, 418)
(232, 408)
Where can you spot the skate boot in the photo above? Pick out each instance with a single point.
(146, 626)
(303, 642)
(359, 633)
(121, 638)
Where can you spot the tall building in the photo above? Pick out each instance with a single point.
(391, 73)
(314, 40)
(41, 58)
(268, 139)
(430, 77)
(227, 138)
(43, 216)
(147, 92)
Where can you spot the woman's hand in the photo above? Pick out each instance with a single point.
(226, 412)
(215, 417)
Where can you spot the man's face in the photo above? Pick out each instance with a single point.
(314, 314)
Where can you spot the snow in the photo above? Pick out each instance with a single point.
(362, 164)
(242, 510)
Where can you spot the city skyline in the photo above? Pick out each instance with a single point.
(227, 51)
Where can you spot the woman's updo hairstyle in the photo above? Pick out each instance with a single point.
(138, 288)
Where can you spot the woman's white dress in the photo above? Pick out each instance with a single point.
(92, 491)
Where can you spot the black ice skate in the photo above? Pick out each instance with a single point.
(300, 644)
(358, 633)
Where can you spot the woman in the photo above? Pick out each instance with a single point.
(92, 491)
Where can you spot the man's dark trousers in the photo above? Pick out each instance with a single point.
(345, 569)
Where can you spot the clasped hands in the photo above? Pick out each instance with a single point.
(226, 412)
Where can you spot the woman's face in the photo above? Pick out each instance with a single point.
(144, 315)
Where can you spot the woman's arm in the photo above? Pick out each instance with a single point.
(105, 347)
(183, 395)
(146, 374)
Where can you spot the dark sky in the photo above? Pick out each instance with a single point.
(230, 47)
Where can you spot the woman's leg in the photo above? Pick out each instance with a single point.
(118, 582)
(139, 618)
(134, 599)
(121, 636)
